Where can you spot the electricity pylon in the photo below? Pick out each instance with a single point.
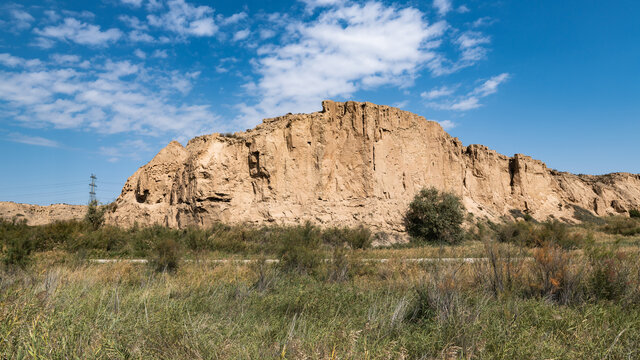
(92, 189)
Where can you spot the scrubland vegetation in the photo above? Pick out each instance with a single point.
(523, 290)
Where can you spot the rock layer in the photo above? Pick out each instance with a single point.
(352, 163)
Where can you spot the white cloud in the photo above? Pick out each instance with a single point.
(267, 34)
(313, 4)
(133, 22)
(161, 54)
(14, 61)
(465, 104)
(21, 19)
(437, 93)
(241, 35)
(446, 124)
(462, 9)
(470, 43)
(115, 97)
(140, 54)
(185, 19)
(472, 99)
(483, 21)
(62, 59)
(140, 36)
(400, 104)
(43, 43)
(490, 86)
(32, 140)
(442, 6)
(134, 3)
(52, 15)
(80, 32)
(345, 49)
(233, 19)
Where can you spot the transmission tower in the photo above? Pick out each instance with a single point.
(92, 189)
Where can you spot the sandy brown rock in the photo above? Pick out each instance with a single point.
(351, 163)
(40, 215)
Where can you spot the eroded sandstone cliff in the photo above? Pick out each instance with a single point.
(352, 163)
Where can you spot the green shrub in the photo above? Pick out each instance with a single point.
(634, 213)
(435, 216)
(540, 234)
(356, 238)
(166, 255)
(622, 225)
(94, 215)
(609, 277)
(299, 249)
(18, 252)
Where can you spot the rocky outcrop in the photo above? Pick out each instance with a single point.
(352, 163)
(40, 215)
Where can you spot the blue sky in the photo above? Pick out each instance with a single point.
(101, 86)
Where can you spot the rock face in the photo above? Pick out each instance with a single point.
(352, 163)
(40, 215)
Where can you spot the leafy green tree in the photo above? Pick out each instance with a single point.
(435, 216)
(95, 215)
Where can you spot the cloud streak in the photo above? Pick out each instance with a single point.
(471, 100)
(32, 140)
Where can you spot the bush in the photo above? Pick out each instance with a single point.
(299, 249)
(435, 216)
(634, 213)
(538, 235)
(554, 277)
(95, 215)
(621, 225)
(166, 256)
(18, 252)
(355, 238)
(609, 277)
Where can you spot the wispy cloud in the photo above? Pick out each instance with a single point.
(437, 93)
(471, 100)
(134, 3)
(32, 140)
(21, 19)
(185, 19)
(442, 6)
(13, 61)
(241, 35)
(446, 124)
(80, 32)
(132, 149)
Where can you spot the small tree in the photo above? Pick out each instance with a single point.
(634, 213)
(95, 215)
(435, 216)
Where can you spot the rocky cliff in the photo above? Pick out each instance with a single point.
(352, 163)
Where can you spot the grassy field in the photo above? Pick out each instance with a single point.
(574, 296)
